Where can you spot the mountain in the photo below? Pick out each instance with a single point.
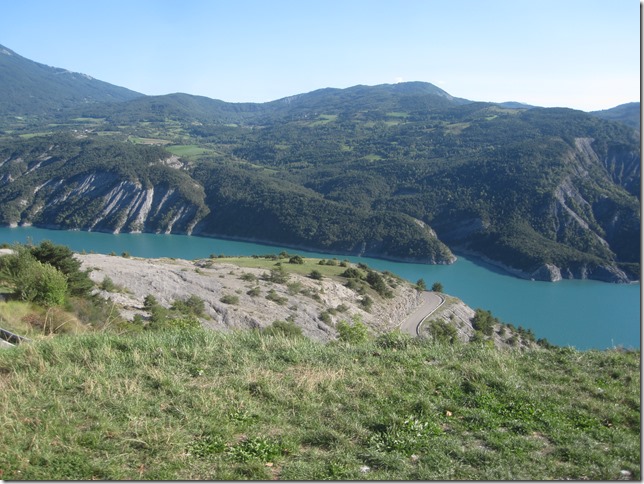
(402, 171)
(628, 114)
(28, 87)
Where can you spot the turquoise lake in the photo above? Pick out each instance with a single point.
(583, 314)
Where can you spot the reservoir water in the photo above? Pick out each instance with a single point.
(583, 314)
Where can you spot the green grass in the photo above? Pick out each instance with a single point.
(323, 119)
(309, 265)
(198, 404)
(148, 141)
(187, 151)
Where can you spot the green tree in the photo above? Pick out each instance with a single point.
(42, 283)
(62, 258)
(278, 275)
(483, 321)
(33, 280)
(420, 284)
(437, 287)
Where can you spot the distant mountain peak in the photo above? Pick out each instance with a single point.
(29, 87)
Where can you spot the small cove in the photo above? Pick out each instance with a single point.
(584, 314)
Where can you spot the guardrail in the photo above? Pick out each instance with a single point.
(12, 338)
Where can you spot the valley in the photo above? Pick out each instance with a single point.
(403, 172)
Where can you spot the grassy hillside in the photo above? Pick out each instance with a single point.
(195, 404)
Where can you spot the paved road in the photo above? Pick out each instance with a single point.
(431, 302)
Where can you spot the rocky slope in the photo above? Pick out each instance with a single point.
(305, 301)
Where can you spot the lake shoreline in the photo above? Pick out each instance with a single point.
(547, 272)
(582, 313)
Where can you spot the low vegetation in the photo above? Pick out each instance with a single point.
(196, 404)
(162, 398)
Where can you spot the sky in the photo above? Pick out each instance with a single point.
(569, 53)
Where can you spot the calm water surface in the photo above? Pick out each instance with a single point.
(584, 314)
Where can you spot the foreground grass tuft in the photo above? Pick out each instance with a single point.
(194, 404)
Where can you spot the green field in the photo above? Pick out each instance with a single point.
(188, 151)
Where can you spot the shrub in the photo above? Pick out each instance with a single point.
(442, 332)
(315, 274)
(294, 287)
(247, 276)
(283, 328)
(378, 284)
(325, 317)
(366, 302)
(42, 283)
(149, 302)
(394, 340)
(108, 285)
(193, 305)
(352, 273)
(254, 292)
(230, 299)
(437, 287)
(484, 321)
(276, 298)
(296, 259)
(355, 333)
(277, 275)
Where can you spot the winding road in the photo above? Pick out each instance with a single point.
(431, 302)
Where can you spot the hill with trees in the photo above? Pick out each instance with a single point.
(402, 171)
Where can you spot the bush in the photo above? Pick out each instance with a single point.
(193, 305)
(442, 332)
(437, 287)
(276, 298)
(355, 333)
(317, 275)
(296, 259)
(352, 273)
(254, 292)
(283, 328)
(230, 299)
(378, 284)
(366, 302)
(394, 340)
(277, 275)
(484, 322)
(42, 283)
(108, 285)
(149, 302)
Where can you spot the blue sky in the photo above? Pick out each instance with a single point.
(573, 53)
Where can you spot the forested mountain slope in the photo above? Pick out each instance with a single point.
(402, 171)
